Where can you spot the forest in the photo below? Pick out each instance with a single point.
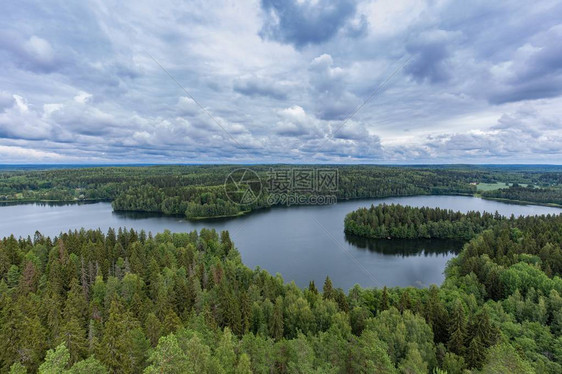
(130, 302)
(405, 222)
(546, 196)
(198, 191)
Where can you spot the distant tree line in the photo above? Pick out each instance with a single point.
(527, 194)
(197, 191)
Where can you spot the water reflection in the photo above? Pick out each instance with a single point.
(406, 247)
(50, 203)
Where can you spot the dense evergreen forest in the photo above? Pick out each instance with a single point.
(527, 194)
(197, 191)
(406, 222)
(129, 302)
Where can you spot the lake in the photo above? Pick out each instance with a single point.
(301, 243)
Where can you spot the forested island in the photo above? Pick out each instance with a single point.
(130, 302)
(405, 222)
(198, 191)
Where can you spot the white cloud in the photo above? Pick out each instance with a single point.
(21, 103)
(49, 109)
(82, 97)
(39, 49)
(20, 154)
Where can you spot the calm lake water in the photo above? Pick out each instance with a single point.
(300, 243)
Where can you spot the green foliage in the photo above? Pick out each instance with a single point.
(405, 222)
(457, 329)
(413, 363)
(529, 194)
(168, 357)
(18, 368)
(127, 302)
(504, 359)
(197, 191)
(56, 361)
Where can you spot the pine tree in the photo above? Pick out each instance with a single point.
(312, 287)
(405, 301)
(153, 329)
(199, 355)
(503, 358)
(436, 315)
(76, 305)
(384, 299)
(244, 365)
(457, 329)
(88, 366)
(56, 361)
(18, 368)
(138, 352)
(9, 333)
(29, 279)
(73, 336)
(13, 276)
(225, 351)
(226, 242)
(476, 353)
(171, 322)
(93, 335)
(30, 343)
(246, 312)
(168, 357)
(114, 349)
(413, 363)
(277, 320)
(328, 289)
(482, 328)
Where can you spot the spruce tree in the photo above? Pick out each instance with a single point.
(384, 299)
(312, 287)
(73, 336)
(114, 349)
(328, 289)
(405, 301)
(457, 329)
(56, 361)
(168, 357)
(277, 320)
(244, 365)
(476, 353)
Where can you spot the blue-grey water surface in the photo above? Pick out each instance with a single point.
(301, 243)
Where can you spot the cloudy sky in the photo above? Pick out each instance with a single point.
(384, 81)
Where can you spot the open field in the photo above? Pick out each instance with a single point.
(491, 186)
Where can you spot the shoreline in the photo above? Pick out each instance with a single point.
(247, 212)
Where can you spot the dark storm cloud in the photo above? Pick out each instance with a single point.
(539, 88)
(430, 53)
(535, 71)
(307, 22)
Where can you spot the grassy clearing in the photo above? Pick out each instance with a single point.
(491, 186)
